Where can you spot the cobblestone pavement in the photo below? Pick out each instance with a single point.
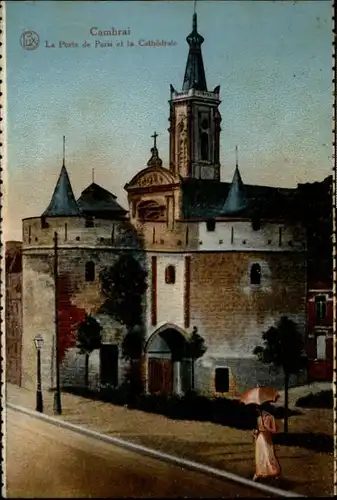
(304, 470)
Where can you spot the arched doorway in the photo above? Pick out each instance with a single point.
(165, 353)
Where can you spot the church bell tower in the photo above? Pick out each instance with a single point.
(195, 119)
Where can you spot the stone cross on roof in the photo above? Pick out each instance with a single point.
(154, 137)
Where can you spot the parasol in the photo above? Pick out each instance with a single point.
(259, 395)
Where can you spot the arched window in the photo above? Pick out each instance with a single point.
(255, 274)
(170, 275)
(204, 146)
(90, 271)
(151, 210)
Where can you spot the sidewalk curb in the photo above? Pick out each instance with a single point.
(189, 464)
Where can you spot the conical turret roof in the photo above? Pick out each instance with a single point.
(63, 201)
(195, 72)
(236, 200)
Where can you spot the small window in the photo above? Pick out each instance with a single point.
(256, 223)
(170, 275)
(210, 225)
(321, 347)
(320, 307)
(44, 223)
(255, 274)
(90, 271)
(221, 380)
(89, 222)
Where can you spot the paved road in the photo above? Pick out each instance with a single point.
(44, 461)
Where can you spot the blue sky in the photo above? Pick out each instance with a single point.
(272, 60)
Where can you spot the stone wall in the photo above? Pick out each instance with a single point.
(231, 314)
(13, 326)
(76, 297)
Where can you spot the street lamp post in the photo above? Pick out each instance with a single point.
(57, 393)
(38, 341)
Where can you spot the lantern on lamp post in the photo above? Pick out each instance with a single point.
(38, 341)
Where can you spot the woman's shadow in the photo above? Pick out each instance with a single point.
(318, 442)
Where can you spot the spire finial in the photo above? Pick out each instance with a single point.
(154, 161)
(237, 156)
(154, 137)
(93, 175)
(194, 73)
(194, 23)
(64, 150)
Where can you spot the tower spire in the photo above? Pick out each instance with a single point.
(63, 201)
(195, 72)
(64, 151)
(236, 157)
(236, 200)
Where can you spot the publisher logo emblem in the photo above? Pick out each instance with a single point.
(29, 40)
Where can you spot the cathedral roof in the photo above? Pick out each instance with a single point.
(236, 201)
(205, 200)
(97, 201)
(195, 72)
(63, 201)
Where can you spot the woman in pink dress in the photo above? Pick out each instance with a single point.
(266, 463)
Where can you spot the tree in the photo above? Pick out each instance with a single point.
(283, 347)
(88, 339)
(124, 285)
(196, 348)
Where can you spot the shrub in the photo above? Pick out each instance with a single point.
(191, 406)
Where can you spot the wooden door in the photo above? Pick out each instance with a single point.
(160, 376)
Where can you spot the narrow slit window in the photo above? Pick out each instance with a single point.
(204, 146)
(65, 232)
(255, 274)
(280, 236)
(90, 271)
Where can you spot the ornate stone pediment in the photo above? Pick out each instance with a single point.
(152, 176)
